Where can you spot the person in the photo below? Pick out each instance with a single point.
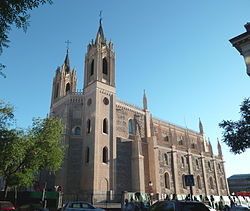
(131, 205)
(125, 206)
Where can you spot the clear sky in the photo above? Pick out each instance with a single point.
(179, 51)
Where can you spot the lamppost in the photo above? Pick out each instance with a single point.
(151, 192)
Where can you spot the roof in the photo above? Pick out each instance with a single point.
(239, 177)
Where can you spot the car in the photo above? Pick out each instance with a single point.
(210, 208)
(178, 205)
(6, 205)
(80, 206)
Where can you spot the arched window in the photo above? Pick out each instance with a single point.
(165, 158)
(197, 163)
(211, 183)
(67, 87)
(209, 165)
(105, 66)
(183, 182)
(77, 131)
(199, 182)
(130, 131)
(221, 183)
(57, 91)
(87, 155)
(88, 126)
(182, 162)
(166, 138)
(105, 126)
(105, 155)
(166, 178)
(92, 68)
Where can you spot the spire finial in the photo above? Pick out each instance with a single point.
(100, 15)
(67, 42)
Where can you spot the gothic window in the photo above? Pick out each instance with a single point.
(166, 138)
(105, 126)
(183, 182)
(199, 182)
(88, 126)
(92, 68)
(209, 165)
(130, 131)
(87, 155)
(167, 182)
(67, 88)
(211, 183)
(165, 157)
(197, 164)
(219, 166)
(221, 183)
(77, 131)
(182, 162)
(105, 155)
(105, 66)
(181, 140)
(57, 91)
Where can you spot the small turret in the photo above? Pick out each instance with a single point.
(145, 102)
(201, 127)
(219, 149)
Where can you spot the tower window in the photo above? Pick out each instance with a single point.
(105, 66)
(77, 131)
(182, 162)
(57, 91)
(130, 131)
(105, 126)
(88, 126)
(199, 182)
(166, 178)
(67, 87)
(183, 182)
(87, 155)
(165, 157)
(92, 68)
(105, 155)
(211, 183)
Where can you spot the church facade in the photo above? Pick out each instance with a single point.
(113, 146)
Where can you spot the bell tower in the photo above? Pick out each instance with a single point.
(99, 112)
(100, 61)
(64, 81)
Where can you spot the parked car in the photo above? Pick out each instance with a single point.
(178, 206)
(6, 205)
(80, 206)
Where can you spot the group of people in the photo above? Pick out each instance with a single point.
(134, 206)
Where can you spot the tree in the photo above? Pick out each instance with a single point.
(15, 12)
(24, 153)
(237, 134)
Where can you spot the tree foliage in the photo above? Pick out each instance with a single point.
(23, 153)
(15, 12)
(237, 134)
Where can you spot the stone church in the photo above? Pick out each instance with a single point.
(113, 146)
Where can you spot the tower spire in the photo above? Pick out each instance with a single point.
(66, 62)
(100, 35)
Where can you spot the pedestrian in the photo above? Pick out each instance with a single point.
(125, 206)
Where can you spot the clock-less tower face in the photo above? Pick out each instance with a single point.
(99, 115)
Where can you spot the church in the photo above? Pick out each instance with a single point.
(113, 146)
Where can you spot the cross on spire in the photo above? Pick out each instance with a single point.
(67, 42)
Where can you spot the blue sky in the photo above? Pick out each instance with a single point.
(179, 51)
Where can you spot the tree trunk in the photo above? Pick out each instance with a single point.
(5, 191)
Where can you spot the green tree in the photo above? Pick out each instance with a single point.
(24, 153)
(15, 12)
(237, 134)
